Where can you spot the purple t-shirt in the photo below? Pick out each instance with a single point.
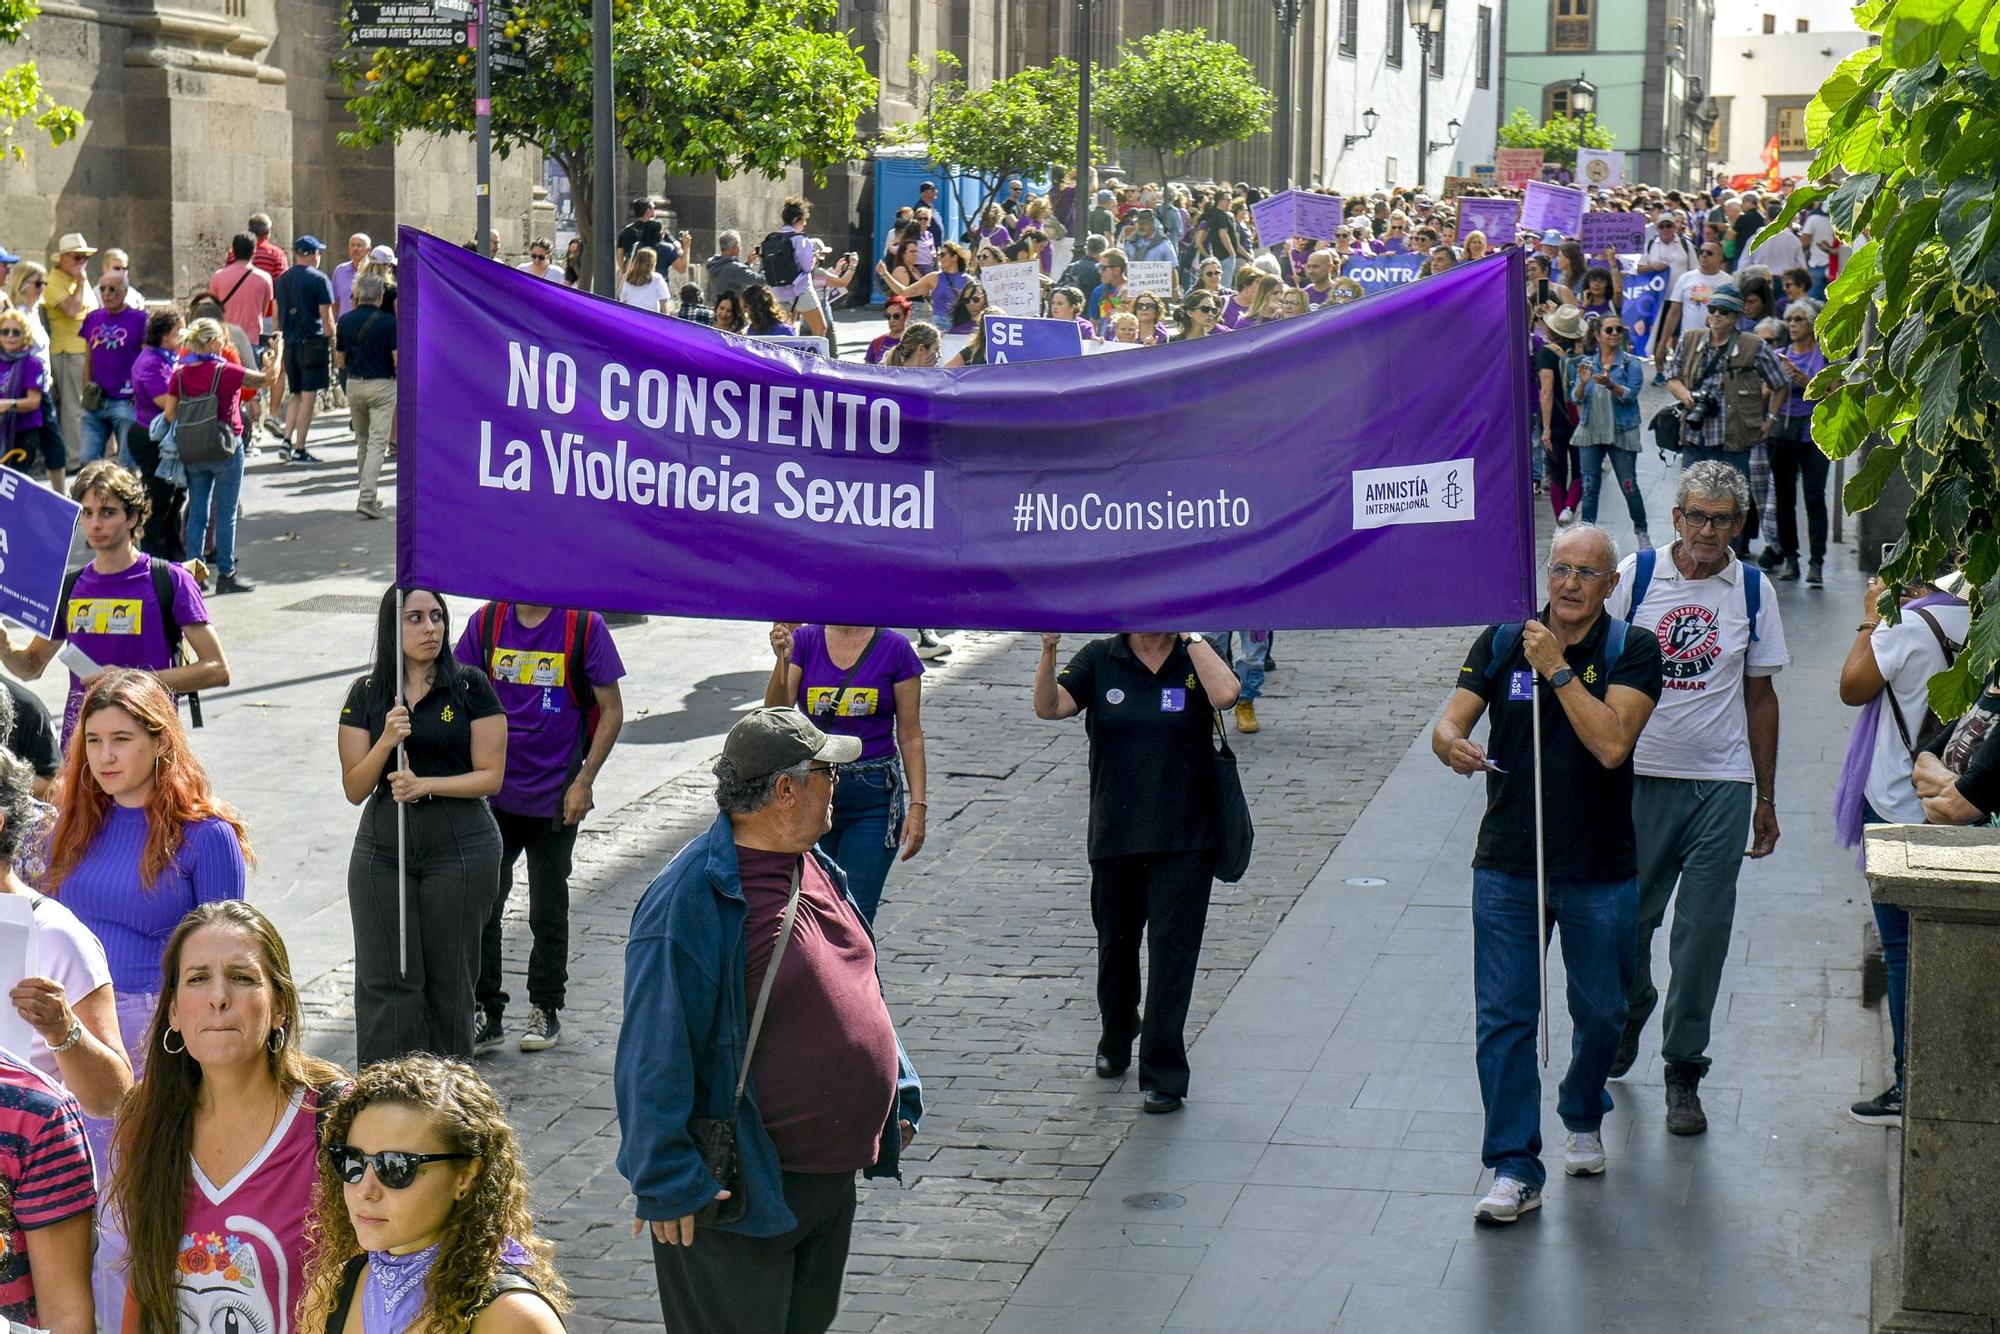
(17, 377)
(1812, 363)
(150, 374)
(112, 618)
(530, 674)
(867, 707)
(135, 921)
(115, 342)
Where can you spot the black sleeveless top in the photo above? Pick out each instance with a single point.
(511, 1279)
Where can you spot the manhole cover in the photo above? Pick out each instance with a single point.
(1155, 1199)
(339, 604)
(1366, 880)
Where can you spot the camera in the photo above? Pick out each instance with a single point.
(1705, 404)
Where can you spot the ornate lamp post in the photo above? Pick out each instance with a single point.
(1427, 17)
(1288, 26)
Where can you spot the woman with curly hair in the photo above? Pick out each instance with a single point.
(216, 1146)
(421, 1221)
(763, 316)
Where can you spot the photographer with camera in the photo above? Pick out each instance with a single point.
(1731, 386)
(862, 681)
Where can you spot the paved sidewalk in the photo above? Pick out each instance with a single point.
(1323, 1173)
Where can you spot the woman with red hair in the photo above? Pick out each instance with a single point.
(141, 840)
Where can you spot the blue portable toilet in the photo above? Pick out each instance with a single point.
(899, 170)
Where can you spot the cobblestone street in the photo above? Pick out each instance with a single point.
(987, 959)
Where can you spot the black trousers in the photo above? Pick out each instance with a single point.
(549, 845)
(453, 865)
(787, 1284)
(1794, 462)
(163, 536)
(1164, 898)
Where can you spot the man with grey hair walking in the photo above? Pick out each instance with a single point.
(726, 270)
(744, 1173)
(1707, 764)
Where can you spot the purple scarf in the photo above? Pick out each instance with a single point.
(394, 1291)
(1849, 794)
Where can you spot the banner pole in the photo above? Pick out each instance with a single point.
(402, 822)
(1541, 881)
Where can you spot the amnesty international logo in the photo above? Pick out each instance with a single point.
(1590, 674)
(1451, 493)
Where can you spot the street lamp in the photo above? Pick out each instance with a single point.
(1427, 17)
(1287, 13)
(1582, 96)
(1368, 119)
(1450, 137)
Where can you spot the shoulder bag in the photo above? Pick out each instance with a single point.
(1234, 834)
(715, 1137)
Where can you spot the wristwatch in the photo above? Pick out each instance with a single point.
(75, 1036)
(1562, 677)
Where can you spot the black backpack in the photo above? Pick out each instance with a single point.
(200, 434)
(781, 262)
(163, 601)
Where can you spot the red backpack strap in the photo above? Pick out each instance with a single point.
(490, 617)
(576, 645)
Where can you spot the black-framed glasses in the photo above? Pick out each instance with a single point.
(13, 333)
(538, 254)
(1611, 328)
(832, 771)
(394, 1168)
(108, 287)
(1561, 573)
(1697, 519)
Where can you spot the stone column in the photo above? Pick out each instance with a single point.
(1941, 1273)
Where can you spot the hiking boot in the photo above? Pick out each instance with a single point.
(1789, 570)
(488, 1032)
(1628, 1042)
(1684, 1114)
(1507, 1201)
(1583, 1154)
(1816, 575)
(1246, 718)
(1884, 1109)
(544, 1030)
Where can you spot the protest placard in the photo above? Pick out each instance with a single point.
(1019, 338)
(1454, 186)
(1379, 273)
(1600, 168)
(1624, 233)
(1151, 275)
(19, 958)
(1515, 167)
(1544, 206)
(1014, 289)
(35, 528)
(1498, 219)
(1297, 213)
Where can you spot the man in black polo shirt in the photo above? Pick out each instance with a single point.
(1149, 702)
(365, 351)
(1598, 686)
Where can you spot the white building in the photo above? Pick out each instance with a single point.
(1374, 65)
(1762, 83)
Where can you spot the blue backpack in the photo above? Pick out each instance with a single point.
(1505, 637)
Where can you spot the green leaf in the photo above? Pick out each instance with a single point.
(1954, 691)
(1917, 29)
(1853, 194)
(1865, 487)
(1840, 422)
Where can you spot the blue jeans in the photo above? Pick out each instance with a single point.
(107, 426)
(1599, 922)
(1625, 467)
(1252, 647)
(866, 830)
(1893, 924)
(223, 482)
(1818, 292)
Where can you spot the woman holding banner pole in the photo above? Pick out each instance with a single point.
(418, 914)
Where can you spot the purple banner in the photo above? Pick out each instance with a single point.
(1499, 219)
(1624, 233)
(559, 447)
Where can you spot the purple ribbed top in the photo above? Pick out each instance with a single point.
(134, 924)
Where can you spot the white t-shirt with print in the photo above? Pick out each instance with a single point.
(1699, 729)
(1908, 656)
(1677, 255)
(1693, 290)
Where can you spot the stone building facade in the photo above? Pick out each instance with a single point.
(200, 112)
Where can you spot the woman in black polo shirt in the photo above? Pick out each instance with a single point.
(454, 739)
(1149, 703)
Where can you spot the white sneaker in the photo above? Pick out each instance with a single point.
(932, 645)
(1507, 1201)
(1566, 518)
(1583, 1154)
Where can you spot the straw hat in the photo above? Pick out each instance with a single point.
(72, 243)
(1565, 322)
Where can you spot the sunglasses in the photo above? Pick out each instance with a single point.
(538, 254)
(109, 287)
(393, 1168)
(1611, 328)
(13, 333)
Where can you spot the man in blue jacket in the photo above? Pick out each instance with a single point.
(828, 1091)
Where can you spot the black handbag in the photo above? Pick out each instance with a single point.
(715, 1137)
(1666, 429)
(1233, 832)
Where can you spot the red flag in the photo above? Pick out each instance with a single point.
(1771, 163)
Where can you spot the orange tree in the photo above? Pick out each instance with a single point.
(707, 87)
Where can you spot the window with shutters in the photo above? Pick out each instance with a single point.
(1350, 25)
(1483, 58)
(1394, 54)
(1790, 127)
(1572, 25)
(1555, 100)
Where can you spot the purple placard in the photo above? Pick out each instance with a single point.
(1558, 206)
(1499, 219)
(1297, 213)
(1273, 217)
(1624, 233)
(663, 467)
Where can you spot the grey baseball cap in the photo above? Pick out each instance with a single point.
(768, 740)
